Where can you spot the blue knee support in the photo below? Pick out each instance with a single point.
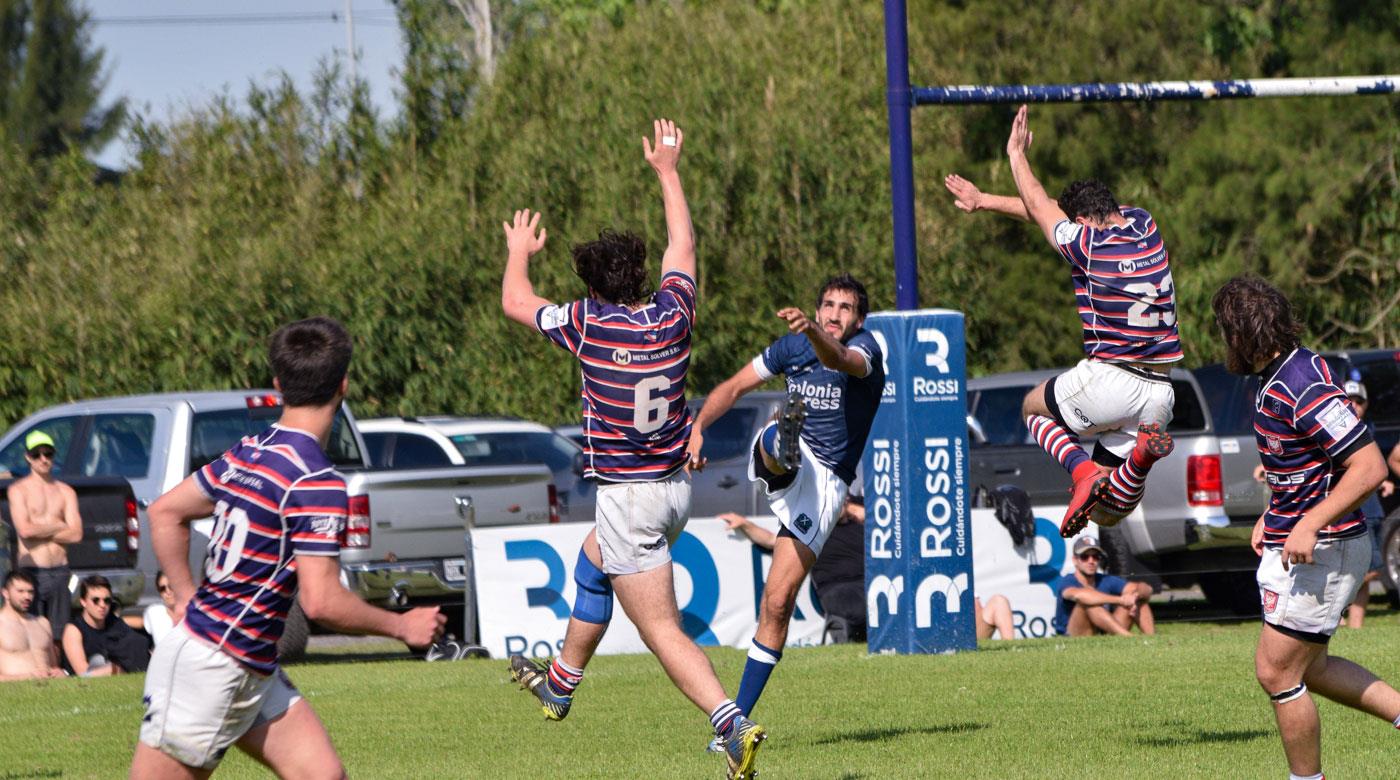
(768, 440)
(594, 601)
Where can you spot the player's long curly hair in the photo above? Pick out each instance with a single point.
(614, 267)
(1256, 321)
(1088, 198)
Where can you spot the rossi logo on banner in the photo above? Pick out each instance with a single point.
(918, 558)
(525, 589)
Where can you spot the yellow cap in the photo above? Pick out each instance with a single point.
(37, 439)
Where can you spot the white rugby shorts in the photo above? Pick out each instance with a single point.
(199, 701)
(810, 505)
(1311, 597)
(639, 521)
(1101, 398)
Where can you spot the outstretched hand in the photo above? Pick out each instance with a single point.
(797, 321)
(966, 196)
(1021, 135)
(663, 151)
(520, 235)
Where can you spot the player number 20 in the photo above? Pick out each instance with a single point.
(649, 404)
(226, 542)
(1138, 316)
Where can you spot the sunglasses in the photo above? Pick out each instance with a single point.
(101, 600)
(162, 588)
(1089, 556)
(46, 453)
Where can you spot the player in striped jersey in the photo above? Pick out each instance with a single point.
(1122, 390)
(633, 349)
(279, 508)
(1321, 464)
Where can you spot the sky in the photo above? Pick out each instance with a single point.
(162, 61)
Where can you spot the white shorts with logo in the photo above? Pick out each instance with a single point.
(639, 521)
(1101, 398)
(810, 505)
(1311, 597)
(199, 701)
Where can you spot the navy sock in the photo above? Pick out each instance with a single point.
(756, 672)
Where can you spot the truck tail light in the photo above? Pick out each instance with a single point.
(261, 401)
(553, 503)
(133, 526)
(357, 531)
(1203, 486)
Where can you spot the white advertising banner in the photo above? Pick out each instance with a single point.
(525, 583)
(525, 586)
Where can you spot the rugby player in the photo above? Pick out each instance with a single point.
(279, 508)
(807, 457)
(1122, 390)
(633, 346)
(1321, 464)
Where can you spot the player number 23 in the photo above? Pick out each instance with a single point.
(1138, 315)
(649, 404)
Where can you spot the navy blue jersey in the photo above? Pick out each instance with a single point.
(840, 407)
(1305, 428)
(1103, 583)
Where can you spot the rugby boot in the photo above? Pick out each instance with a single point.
(741, 749)
(1153, 444)
(790, 419)
(535, 678)
(1089, 488)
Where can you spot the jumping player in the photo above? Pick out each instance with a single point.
(1314, 550)
(279, 508)
(633, 347)
(1122, 391)
(807, 458)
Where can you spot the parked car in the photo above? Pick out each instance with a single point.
(404, 544)
(434, 442)
(573, 433)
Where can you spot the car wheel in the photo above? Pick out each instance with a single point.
(1390, 558)
(292, 645)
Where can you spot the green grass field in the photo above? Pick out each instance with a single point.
(1182, 704)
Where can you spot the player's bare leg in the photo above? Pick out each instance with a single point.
(792, 560)
(295, 745)
(1349, 683)
(649, 599)
(1280, 662)
(151, 764)
(1083, 620)
(1062, 445)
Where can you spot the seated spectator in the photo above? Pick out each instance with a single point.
(995, 617)
(97, 642)
(158, 619)
(839, 573)
(1091, 602)
(26, 642)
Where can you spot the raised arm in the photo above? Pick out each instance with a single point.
(830, 351)
(719, 401)
(170, 517)
(663, 153)
(967, 197)
(1043, 210)
(518, 296)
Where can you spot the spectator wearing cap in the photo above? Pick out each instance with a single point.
(97, 643)
(1370, 510)
(45, 516)
(1090, 602)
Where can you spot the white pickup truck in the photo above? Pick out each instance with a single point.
(404, 544)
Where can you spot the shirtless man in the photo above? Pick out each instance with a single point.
(45, 514)
(26, 649)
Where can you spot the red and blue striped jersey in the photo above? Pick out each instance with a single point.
(276, 497)
(1124, 289)
(1305, 429)
(634, 365)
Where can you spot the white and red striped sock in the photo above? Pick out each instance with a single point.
(563, 679)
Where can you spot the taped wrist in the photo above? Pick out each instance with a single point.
(1283, 697)
(593, 603)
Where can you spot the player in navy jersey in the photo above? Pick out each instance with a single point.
(633, 349)
(279, 508)
(1122, 390)
(807, 458)
(1321, 464)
